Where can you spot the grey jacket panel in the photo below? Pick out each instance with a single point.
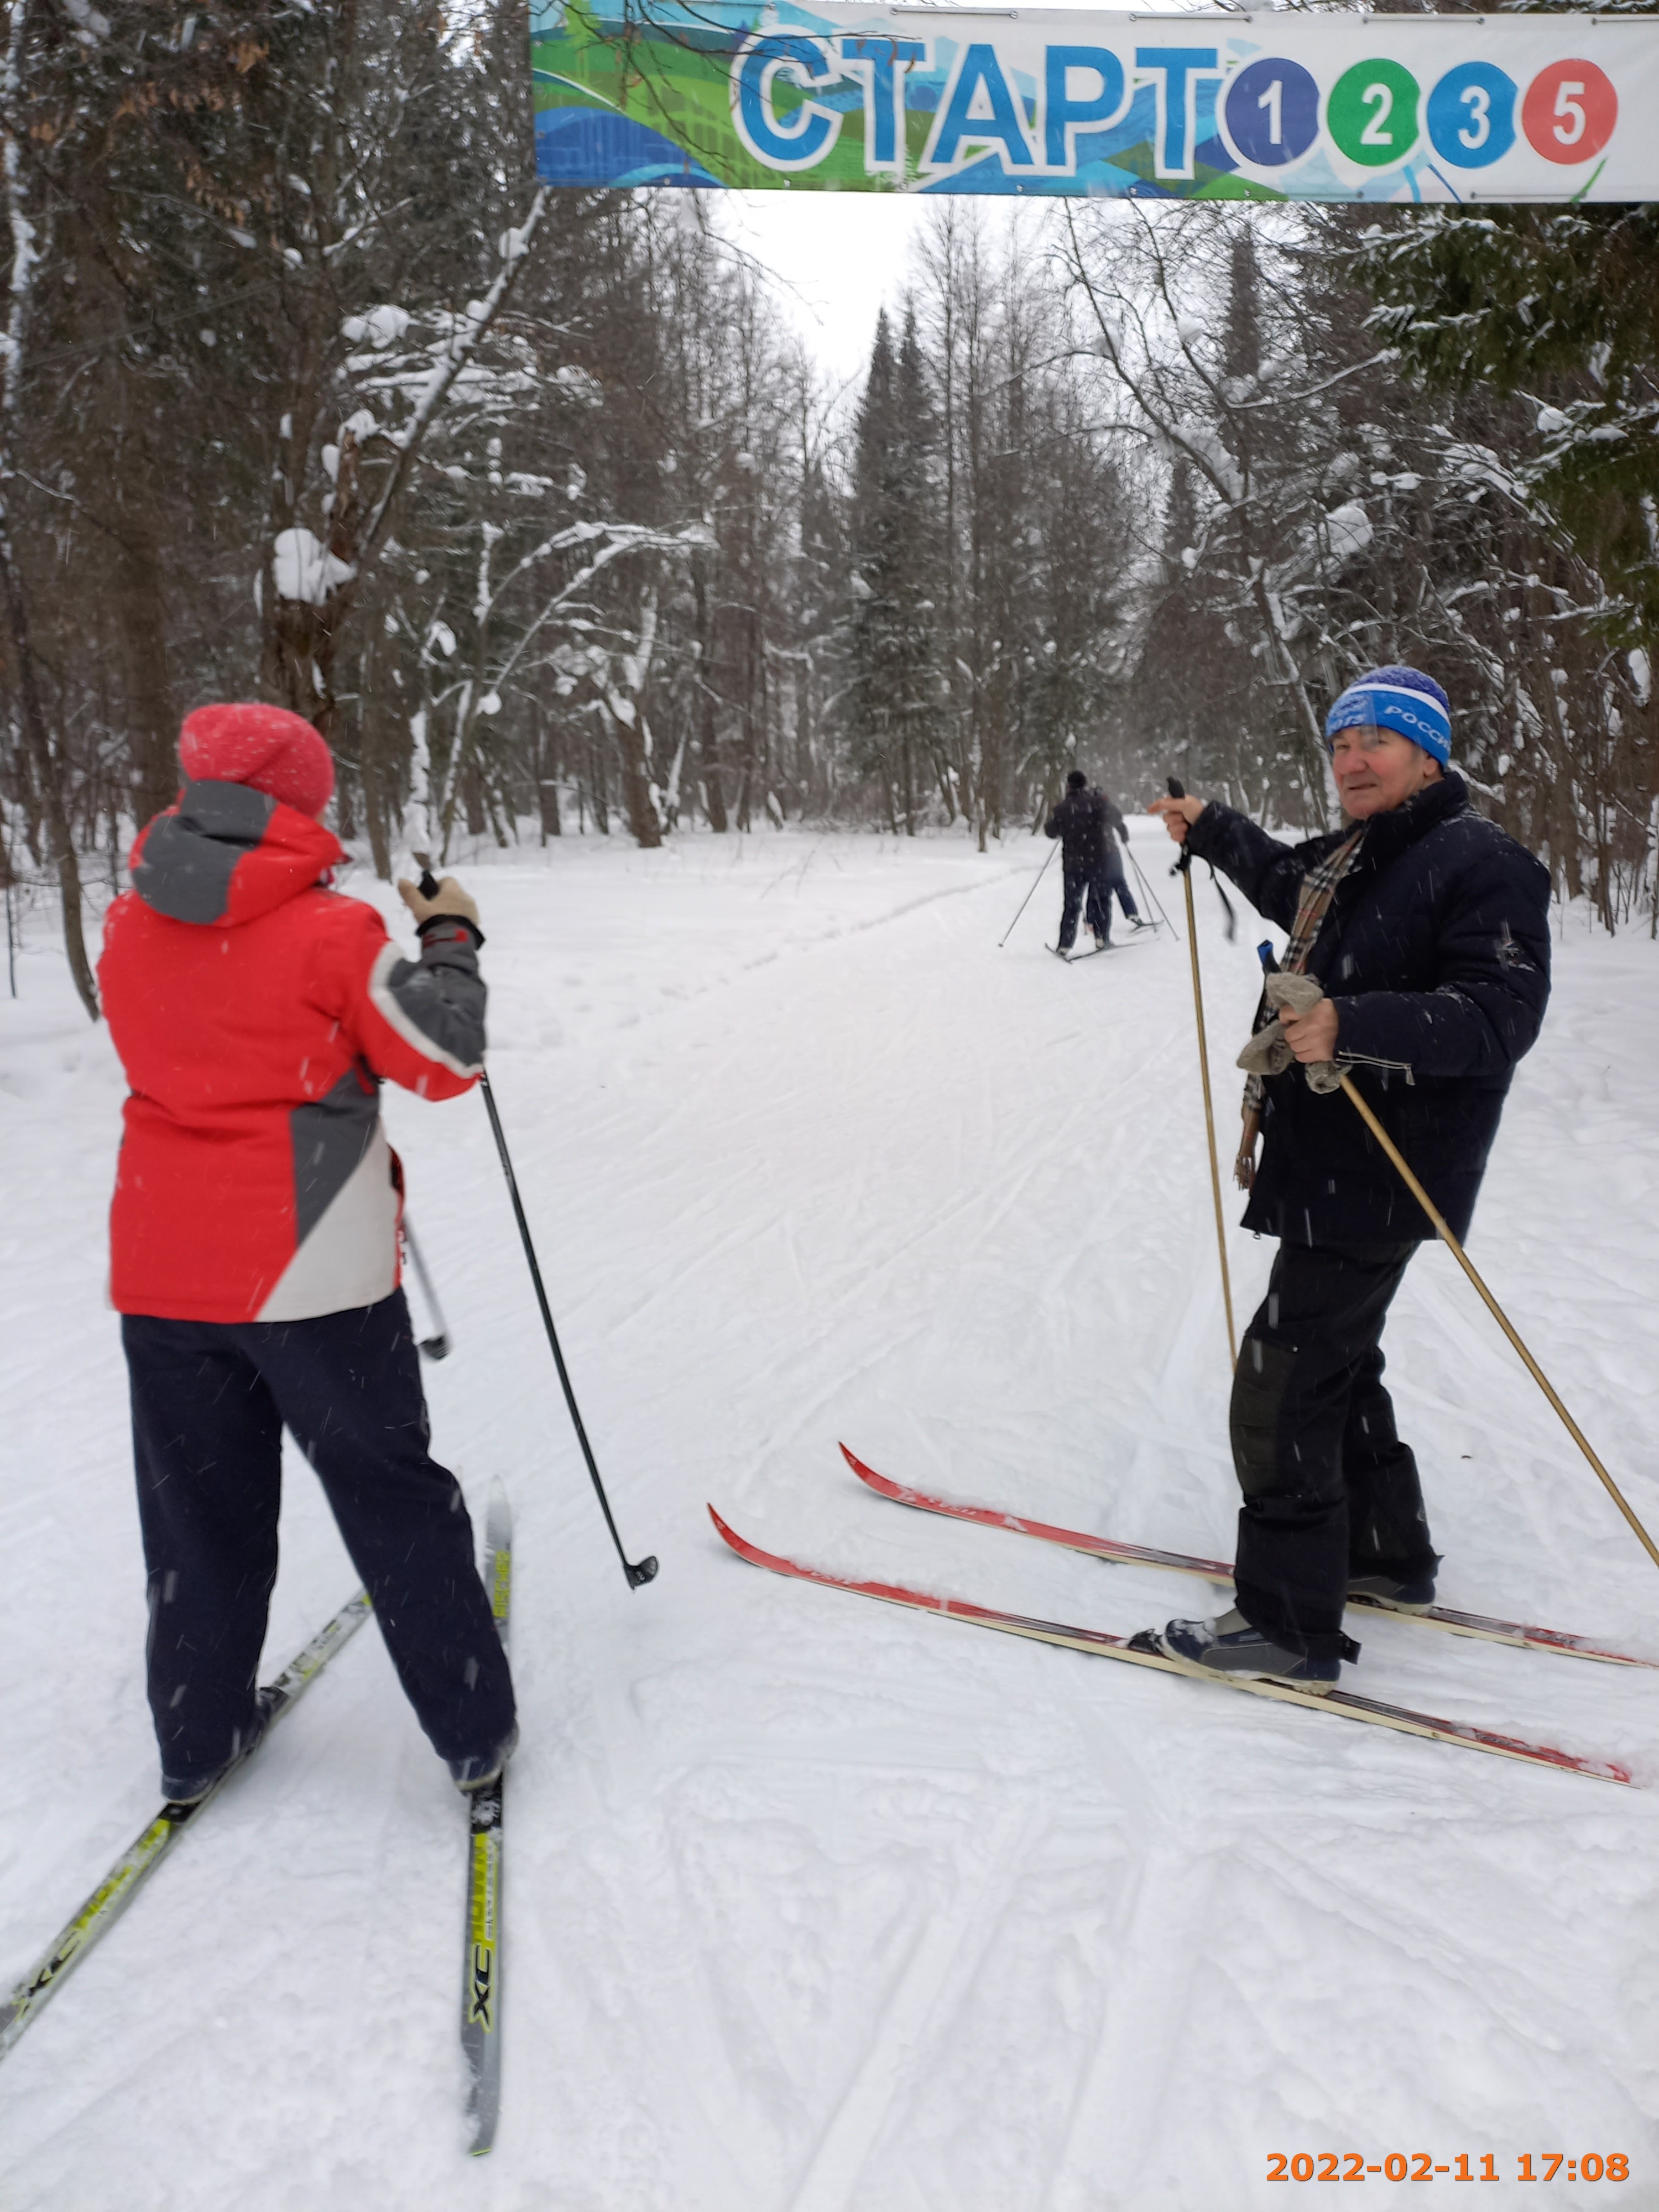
(443, 996)
(190, 856)
(330, 1137)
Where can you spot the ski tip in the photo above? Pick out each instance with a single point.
(752, 1553)
(867, 1474)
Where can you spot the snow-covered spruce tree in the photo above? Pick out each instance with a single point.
(894, 696)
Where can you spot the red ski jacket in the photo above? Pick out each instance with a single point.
(256, 1012)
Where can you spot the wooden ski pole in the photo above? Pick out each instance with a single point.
(1497, 1312)
(1184, 868)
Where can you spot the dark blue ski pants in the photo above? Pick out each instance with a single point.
(1117, 881)
(210, 1402)
(1094, 886)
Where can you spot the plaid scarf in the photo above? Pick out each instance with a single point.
(1314, 903)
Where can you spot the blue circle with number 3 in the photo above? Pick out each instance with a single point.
(1272, 112)
(1471, 115)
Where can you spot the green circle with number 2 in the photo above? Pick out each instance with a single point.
(1372, 113)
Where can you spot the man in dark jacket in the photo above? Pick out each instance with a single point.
(1428, 928)
(254, 1242)
(1083, 821)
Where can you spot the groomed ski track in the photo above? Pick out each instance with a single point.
(819, 1907)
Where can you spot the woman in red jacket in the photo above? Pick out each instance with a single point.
(254, 1241)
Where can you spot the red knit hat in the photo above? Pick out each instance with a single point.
(266, 747)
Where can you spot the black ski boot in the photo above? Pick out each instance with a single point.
(192, 1789)
(470, 1774)
(1415, 1595)
(1231, 1646)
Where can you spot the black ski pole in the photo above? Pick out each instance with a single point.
(1153, 898)
(637, 1572)
(1026, 901)
(436, 1347)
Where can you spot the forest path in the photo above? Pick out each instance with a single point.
(812, 1906)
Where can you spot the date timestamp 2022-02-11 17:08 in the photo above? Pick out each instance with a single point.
(1422, 2166)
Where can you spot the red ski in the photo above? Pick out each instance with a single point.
(1099, 1645)
(1217, 1571)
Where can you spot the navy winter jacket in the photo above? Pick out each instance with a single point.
(1080, 823)
(1436, 949)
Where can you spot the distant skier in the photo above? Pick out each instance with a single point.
(1083, 821)
(254, 1237)
(1429, 929)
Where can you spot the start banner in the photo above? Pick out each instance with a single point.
(1261, 105)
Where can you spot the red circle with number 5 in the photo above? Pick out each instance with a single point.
(1569, 111)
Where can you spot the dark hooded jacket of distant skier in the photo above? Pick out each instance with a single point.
(254, 1242)
(1428, 928)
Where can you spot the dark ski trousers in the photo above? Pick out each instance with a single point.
(209, 1401)
(1117, 881)
(1080, 883)
(1329, 1489)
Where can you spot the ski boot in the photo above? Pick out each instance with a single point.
(470, 1774)
(1413, 1595)
(1229, 1645)
(192, 1789)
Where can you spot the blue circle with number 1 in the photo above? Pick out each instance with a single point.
(1272, 111)
(1471, 115)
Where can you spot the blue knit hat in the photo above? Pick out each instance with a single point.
(1401, 699)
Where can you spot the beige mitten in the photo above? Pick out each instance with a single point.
(1302, 994)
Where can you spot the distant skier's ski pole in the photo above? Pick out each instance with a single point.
(1026, 901)
(1184, 868)
(1443, 1231)
(1153, 898)
(642, 1571)
(436, 1347)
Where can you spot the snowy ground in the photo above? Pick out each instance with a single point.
(814, 1904)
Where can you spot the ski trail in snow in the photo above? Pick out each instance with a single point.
(809, 1910)
(1118, 2118)
(941, 1960)
(914, 905)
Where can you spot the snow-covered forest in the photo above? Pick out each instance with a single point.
(540, 509)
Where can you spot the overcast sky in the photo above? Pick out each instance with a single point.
(842, 256)
(839, 257)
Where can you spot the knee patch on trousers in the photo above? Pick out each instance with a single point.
(1259, 1382)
